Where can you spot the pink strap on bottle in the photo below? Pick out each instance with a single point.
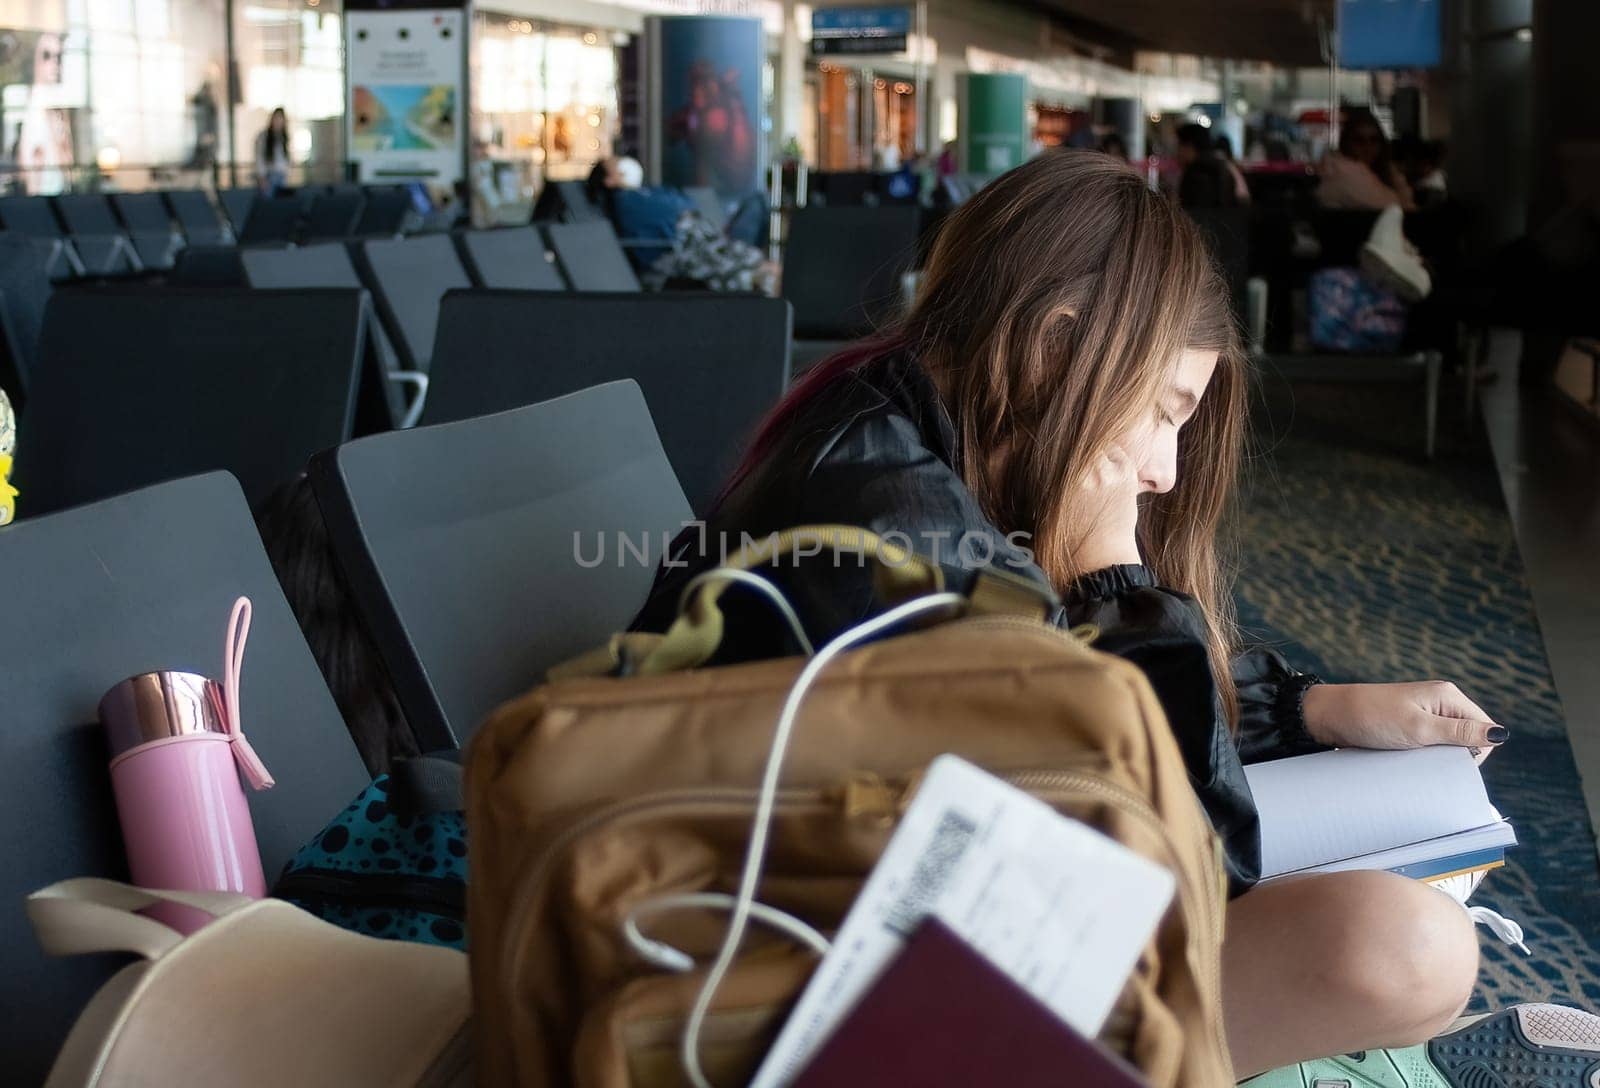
(255, 772)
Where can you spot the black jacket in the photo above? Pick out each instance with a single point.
(876, 450)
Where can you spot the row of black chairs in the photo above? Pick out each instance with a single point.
(844, 275)
(406, 276)
(114, 234)
(323, 213)
(409, 277)
(139, 385)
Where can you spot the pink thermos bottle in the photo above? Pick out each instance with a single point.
(176, 757)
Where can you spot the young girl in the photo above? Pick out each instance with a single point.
(1067, 399)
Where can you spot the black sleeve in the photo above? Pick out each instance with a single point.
(1163, 632)
(1272, 722)
(878, 475)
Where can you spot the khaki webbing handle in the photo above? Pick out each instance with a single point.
(897, 573)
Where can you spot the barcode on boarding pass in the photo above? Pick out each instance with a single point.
(933, 870)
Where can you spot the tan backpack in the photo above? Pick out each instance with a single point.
(596, 792)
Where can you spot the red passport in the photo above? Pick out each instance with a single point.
(942, 1016)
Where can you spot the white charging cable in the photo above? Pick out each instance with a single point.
(755, 853)
(760, 585)
(668, 958)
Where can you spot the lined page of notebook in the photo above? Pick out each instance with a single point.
(1346, 803)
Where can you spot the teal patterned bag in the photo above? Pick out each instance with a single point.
(393, 864)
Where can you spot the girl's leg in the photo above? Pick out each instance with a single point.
(1340, 962)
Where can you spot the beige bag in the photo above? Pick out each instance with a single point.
(595, 793)
(265, 995)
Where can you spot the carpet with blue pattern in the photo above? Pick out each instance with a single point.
(1362, 562)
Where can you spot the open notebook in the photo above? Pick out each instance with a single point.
(1422, 813)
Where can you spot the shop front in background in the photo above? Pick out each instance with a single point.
(860, 118)
(544, 102)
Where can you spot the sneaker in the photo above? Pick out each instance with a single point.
(1525, 1046)
(1394, 262)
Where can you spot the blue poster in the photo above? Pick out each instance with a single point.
(1389, 33)
(709, 84)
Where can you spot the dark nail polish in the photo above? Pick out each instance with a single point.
(1498, 734)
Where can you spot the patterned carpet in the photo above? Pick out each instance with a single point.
(1362, 562)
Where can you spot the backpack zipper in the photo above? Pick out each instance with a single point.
(436, 895)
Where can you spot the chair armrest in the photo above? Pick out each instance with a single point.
(420, 397)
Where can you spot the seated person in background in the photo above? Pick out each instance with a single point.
(1241, 186)
(1207, 181)
(612, 172)
(693, 249)
(1066, 400)
(1362, 174)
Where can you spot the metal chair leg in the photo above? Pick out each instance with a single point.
(1433, 364)
(1477, 358)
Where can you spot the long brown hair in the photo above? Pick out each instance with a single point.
(1053, 306)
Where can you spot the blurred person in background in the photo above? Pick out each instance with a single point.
(1207, 181)
(204, 115)
(693, 250)
(272, 154)
(1241, 186)
(1362, 174)
(620, 171)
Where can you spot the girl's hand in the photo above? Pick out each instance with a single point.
(1399, 716)
(1111, 508)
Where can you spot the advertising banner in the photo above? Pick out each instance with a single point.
(41, 86)
(703, 95)
(405, 87)
(993, 121)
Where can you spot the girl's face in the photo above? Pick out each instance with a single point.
(279, 121)
(1153, 445)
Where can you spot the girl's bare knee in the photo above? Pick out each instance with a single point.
(1410, 955)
